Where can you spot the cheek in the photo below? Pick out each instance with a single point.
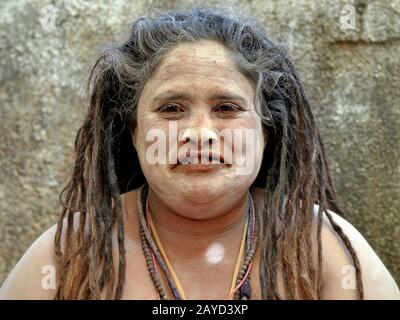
(247, 133)
(148, 133)
(158, 144)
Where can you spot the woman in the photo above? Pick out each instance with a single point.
(159, 204)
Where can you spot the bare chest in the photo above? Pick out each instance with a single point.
(212, 283)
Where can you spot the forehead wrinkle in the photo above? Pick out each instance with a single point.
(171, 66)
(174, 82)
(189, 56)
(197, 91)
(226, 79)
(185, 74)
(193, 62)
(170, 70)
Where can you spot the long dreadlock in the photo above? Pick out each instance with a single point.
(294, 174)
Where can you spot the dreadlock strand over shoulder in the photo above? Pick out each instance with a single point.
(294, 173)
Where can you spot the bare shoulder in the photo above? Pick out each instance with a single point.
(33, 277)
(338, 269)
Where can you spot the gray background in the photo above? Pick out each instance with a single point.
(352, 77)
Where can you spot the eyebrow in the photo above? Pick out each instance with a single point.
(177, 95)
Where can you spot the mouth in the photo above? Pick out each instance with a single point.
(204, 161)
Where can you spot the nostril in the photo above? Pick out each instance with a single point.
(211, 141)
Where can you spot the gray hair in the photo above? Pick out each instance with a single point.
(294, 173)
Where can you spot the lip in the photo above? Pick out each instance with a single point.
(200, 165)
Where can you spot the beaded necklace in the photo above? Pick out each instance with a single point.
(154, 252)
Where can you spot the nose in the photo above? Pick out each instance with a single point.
(202, 137)
(199, 132)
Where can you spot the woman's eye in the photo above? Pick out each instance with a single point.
(227, 108)
(171, 109)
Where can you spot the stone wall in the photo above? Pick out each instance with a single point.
(350, 67)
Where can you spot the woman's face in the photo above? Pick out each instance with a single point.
(196, 105)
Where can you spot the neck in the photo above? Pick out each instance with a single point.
(188, 238)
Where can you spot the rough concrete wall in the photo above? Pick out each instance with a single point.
(351, 75)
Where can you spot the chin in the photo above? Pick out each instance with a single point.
(201, 190)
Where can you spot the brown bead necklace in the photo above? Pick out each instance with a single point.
(153, 253)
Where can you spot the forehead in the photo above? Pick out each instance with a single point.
(198, 67)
